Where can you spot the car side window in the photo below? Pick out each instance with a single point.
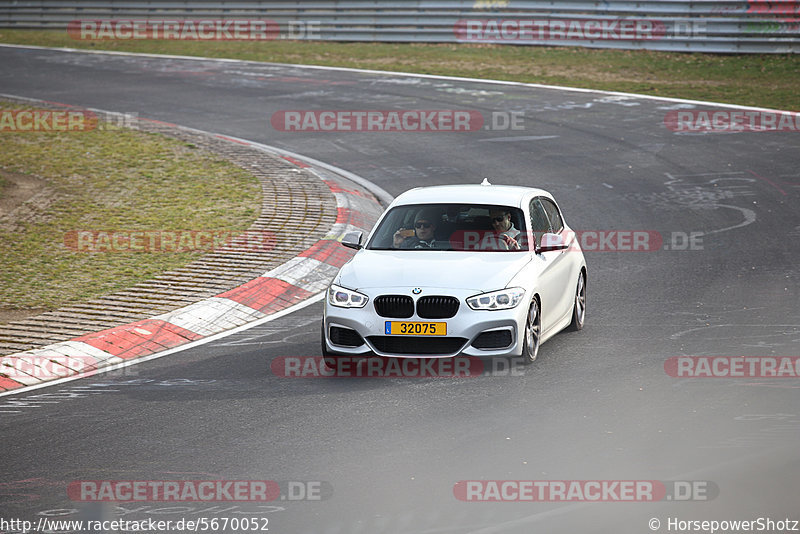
(556, 223)
(540, 224)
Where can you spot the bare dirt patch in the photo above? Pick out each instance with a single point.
(23, 198)
(10, 314)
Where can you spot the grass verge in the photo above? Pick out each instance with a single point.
(765, 80)
(100, 180)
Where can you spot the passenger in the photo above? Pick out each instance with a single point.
(508, 236)
(423, 235)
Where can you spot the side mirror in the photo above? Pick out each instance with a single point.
(551, 242)
(353, 240)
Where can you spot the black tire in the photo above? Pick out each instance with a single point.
(579, 304)
(533, 333)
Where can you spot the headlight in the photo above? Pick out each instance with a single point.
(346, 298)
(503, 299)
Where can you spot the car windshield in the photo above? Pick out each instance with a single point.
(463, 227)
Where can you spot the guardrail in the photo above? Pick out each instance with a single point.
(747, 26)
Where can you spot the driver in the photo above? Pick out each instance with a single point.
(508, 236)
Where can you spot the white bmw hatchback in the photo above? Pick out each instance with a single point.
(479, 270)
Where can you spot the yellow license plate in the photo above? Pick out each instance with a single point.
(415, 328)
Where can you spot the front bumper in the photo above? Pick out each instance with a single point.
(469, 332)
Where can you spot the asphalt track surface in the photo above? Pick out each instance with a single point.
(597, 405)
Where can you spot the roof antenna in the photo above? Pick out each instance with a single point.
(485, 182)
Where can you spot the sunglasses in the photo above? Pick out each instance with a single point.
(499, 219)
(422, 225)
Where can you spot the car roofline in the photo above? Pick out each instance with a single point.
(507, 195)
